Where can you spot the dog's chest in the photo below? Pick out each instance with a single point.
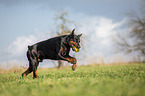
(64, 50)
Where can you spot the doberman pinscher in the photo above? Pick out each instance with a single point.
(56, 48)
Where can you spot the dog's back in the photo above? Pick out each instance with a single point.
(50, 48)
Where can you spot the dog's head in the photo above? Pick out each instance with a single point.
(74, 41)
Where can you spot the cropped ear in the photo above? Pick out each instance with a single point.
(79, 35)
(72, 33)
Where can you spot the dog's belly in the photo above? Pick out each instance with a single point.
(52, 58)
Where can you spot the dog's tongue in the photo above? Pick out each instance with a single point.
(76, 49)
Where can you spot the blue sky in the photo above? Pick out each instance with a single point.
(24, 22)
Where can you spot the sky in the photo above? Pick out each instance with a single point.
(25, 22)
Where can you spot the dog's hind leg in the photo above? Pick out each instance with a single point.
(29, 70)
(34, 68)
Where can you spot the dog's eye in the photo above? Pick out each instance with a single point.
(78, 40)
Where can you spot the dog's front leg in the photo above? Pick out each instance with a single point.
(73, 61)
(74, 66)
(70, 59)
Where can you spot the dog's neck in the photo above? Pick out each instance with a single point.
(65, 41)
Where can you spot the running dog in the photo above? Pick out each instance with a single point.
(56, 48)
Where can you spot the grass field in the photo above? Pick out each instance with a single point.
(112, 80)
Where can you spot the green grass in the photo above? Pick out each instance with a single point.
(113, 80)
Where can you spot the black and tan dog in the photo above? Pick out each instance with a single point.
(56, 48)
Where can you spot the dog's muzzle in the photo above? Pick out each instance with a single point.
(74, 48)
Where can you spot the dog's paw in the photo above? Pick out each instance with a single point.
(73, 60)
(23, 75)
(73, 67)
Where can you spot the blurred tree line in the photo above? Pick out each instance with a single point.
(135, 39)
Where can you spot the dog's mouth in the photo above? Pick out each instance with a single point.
(74, 48)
